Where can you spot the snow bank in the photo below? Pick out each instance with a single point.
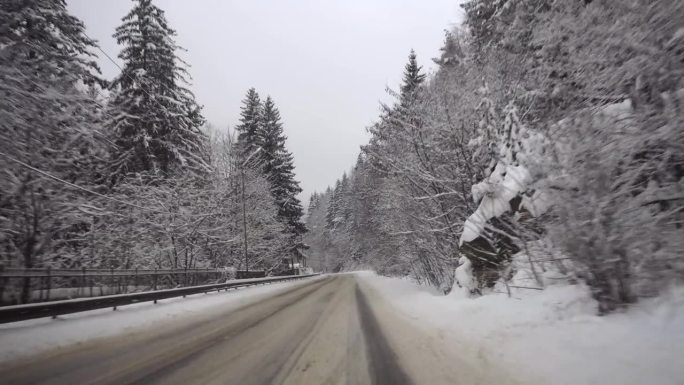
(20, 339)
(551, 336)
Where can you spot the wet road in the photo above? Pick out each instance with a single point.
(325, 331)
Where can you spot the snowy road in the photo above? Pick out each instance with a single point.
(352, 329)
(326, 331)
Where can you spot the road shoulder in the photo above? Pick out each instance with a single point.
(424, 352)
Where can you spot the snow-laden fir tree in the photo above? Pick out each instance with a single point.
(333, 207)
(47, 121)
(271, 139)
(155, 118)
(250, 135)
(317, 237)
(413, 77)
(314, 201)
(262, 144)
(279, 169)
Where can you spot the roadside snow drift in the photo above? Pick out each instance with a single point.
(550, 336)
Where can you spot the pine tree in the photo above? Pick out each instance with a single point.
(404, 114)
(156, 120)
(47, 121)
(413, 77)
(314, 201)
(331, 212)
(261, 140)
(317, 236)
(279, 168)
(271, 138)
(250, 137)
(337, 209)
(345, 201)
(401, 116)
(47, 69)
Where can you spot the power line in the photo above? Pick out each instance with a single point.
(46, 174)
(127, 75)
(50, 176)
(26, 77)
(73, 185)
(94, 100)
(120, 68)
(104, 109)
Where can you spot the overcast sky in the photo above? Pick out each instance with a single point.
(325, 63)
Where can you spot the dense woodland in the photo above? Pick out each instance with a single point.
(550, 137)
(126, 173)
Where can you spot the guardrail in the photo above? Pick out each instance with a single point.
(27, 285)
(49, 272)
(55, 308)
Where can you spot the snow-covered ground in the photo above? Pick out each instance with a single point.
(20, 339)
(551, 336)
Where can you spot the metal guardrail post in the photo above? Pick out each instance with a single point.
(81, 289)
(49, 282)
(154, 285)
(2, 283)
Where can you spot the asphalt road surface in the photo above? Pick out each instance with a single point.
(331, 330)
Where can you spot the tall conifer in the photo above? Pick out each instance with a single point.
(156, 120)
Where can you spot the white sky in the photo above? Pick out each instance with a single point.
(325, 63)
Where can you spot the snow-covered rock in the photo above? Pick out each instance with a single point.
(505, 183)
(464, 280)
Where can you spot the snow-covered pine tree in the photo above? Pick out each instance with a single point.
(345, 203)
(361, 210)
(403, 118)
(338, 210)
(250, 136)
(314, 201)
(156, 120)
(317, 235)
(279, 169)
(396, 119)
(332, 210)
(413, 77)
(47, 121)
(272, 141)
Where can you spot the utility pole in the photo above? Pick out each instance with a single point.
(244, 206)
(244, 217)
